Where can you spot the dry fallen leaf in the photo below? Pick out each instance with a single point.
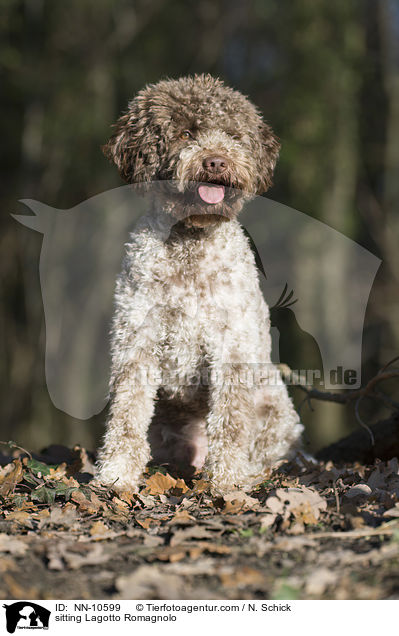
(70, 482)
(159, 484)
(305, 514)
(99, 528)
(127, 497)
(319, 579)
(65, 516)
(86, 465)
(148, 501)
(170, 553)
(120, 503)
(93, 556)
(19, 589)
(21, 517)
(149, 581)
(392, 512)
(84, 504)
(182, 518)
(148, 522)
(180, 487)
(151, 540)
(12, 478)
(5, 470)
(7, 564)
(359, 490)
(56, 473)
(206, 546)
(201, 485)
(193, 532)
(304, 503)
(237, 502)
(54, 559)
(267, 520)
(241, 577)
(12, 545)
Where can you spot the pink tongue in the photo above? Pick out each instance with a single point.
(211, 194)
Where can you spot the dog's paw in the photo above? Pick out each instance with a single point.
(116, 485)
(220, 484)
(115, 480)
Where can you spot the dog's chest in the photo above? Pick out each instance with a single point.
(211, 291)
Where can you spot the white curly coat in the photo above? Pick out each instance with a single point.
(190, 356)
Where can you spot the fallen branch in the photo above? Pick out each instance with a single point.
(383, 436)
(349, 396)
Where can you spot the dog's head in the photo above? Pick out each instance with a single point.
(203, 137)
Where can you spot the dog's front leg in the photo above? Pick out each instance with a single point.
(230, 424)
(126, 451)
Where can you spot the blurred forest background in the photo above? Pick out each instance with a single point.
(326, 76)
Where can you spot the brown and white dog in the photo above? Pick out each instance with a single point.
(192, 383)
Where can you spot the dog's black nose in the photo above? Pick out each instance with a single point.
(215, 164)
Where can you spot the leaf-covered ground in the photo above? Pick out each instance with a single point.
(312, 530)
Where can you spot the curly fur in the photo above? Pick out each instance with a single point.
(191, 327)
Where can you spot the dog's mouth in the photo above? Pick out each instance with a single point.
(202, 203)
(211, 203)
(211, 194)
(207, 194)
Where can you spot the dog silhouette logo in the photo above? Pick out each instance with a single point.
(26, 615)
(80, 259)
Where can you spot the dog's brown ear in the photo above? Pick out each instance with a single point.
(132, 147)
(270, 147)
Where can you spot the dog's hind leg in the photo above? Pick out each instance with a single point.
(278, 425)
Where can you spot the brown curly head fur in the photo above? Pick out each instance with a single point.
(172, 128)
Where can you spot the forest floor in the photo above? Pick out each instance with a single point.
(310, 531)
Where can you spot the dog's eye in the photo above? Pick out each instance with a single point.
(237, 137)
(186, 134)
